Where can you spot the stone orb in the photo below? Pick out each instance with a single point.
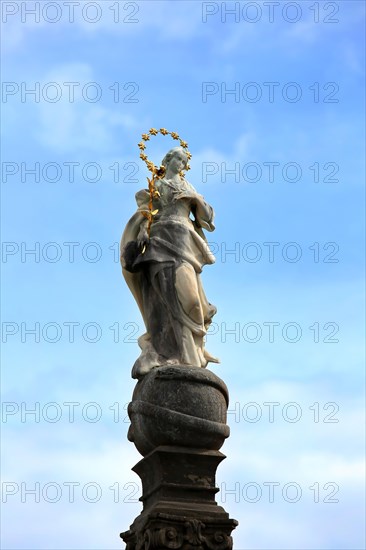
(179, 406)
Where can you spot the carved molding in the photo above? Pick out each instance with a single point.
(190, 534)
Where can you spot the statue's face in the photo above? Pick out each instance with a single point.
(178, 162)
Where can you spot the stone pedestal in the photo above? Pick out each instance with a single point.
(173, 405)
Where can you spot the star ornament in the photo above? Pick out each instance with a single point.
(159, 172)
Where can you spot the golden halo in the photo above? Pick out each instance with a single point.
(159, 172)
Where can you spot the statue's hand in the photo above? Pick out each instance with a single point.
(143, 238)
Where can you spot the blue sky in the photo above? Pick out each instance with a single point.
(290, 322)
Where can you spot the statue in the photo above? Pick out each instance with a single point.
(178, 410)
(163, 251)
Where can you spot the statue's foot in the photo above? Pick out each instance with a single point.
(210, 358)
(141, 368)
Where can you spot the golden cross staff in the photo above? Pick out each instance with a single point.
(157, 173)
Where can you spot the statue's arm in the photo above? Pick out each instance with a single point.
(202, 210)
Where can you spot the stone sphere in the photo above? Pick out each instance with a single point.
(179, 406)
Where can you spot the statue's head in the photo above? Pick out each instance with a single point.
(177, 152)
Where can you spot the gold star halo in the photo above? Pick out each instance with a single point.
(160, 172)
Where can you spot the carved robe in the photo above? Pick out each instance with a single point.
(157, 278)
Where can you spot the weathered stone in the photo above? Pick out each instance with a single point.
(164, 531)
(178, 423)
(179, 405)
(179, 507)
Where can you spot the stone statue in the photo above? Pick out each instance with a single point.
(178, 412)
(162, 264)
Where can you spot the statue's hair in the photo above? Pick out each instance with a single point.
(171, 154)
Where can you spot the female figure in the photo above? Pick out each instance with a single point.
(163, 270)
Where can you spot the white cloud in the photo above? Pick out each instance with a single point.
(79, 125)
(178, 21)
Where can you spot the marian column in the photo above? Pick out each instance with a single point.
(178, 408)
